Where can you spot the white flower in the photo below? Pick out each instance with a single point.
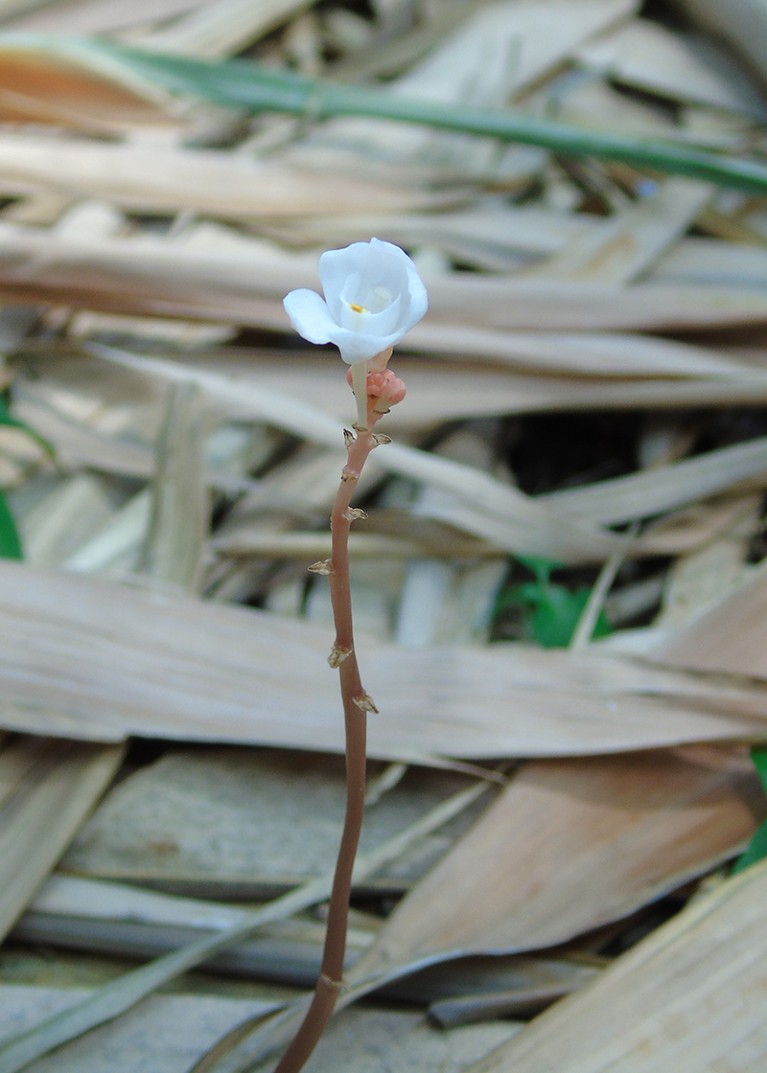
(373, 296)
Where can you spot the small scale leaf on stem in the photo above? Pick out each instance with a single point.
(323, 566)
(338, 654)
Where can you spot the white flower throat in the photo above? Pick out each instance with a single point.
(377, 300)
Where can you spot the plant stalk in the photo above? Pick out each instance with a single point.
(356, 703)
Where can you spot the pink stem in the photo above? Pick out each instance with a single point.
(356, 704)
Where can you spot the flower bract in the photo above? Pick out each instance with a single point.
(373, 296)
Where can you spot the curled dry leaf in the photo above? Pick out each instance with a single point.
(570, 846)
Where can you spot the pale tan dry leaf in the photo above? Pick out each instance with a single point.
(496, 49)
(227, 823)
(439, 542)
(481, 372)
(179, 515)
(618, 355)
(584, 98)
(689, 997)
(113, 548)
(649, 56)
(490, 234)
(168, 179)
(371, 1040)
(486, 988)
(512, 303)
(713, 261)
(220, 28)
(399, 536)
(186, 1025)
(60, 521)
(89, 16)
(246, 286)
(506, 47)
(95, 899)
(40, 87)
(485, 506)
(47, 789)
(662, 488)
(120, 995)
(570, 846)
(8, 8)
(59, 404)
(700, 580)
(181, 668)
(627, 246)
(742, 24)
(449, 602)
(731, 638)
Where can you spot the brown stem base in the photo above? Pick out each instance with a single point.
(356, 703)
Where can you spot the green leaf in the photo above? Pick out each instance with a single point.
(10, 541)
(757, 847)
(550, 612)
(757, 850)
(759, 756)
(540, 568)
(556, 617)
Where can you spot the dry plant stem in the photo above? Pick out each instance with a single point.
(355, 705)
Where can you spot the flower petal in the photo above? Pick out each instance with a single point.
(309, 315)
(335, 268)
(361, 346)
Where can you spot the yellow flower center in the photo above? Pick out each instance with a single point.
(355, 308)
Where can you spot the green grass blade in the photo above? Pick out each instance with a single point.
(237, 83)
(243, 85)
(10, 541)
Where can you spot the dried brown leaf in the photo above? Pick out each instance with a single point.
(169, 179)
(570, 846)
(689, 997)
(655, 59)
(245, 284)
(98, 660)
(47, 789)
(730, 638)
(41, 87)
